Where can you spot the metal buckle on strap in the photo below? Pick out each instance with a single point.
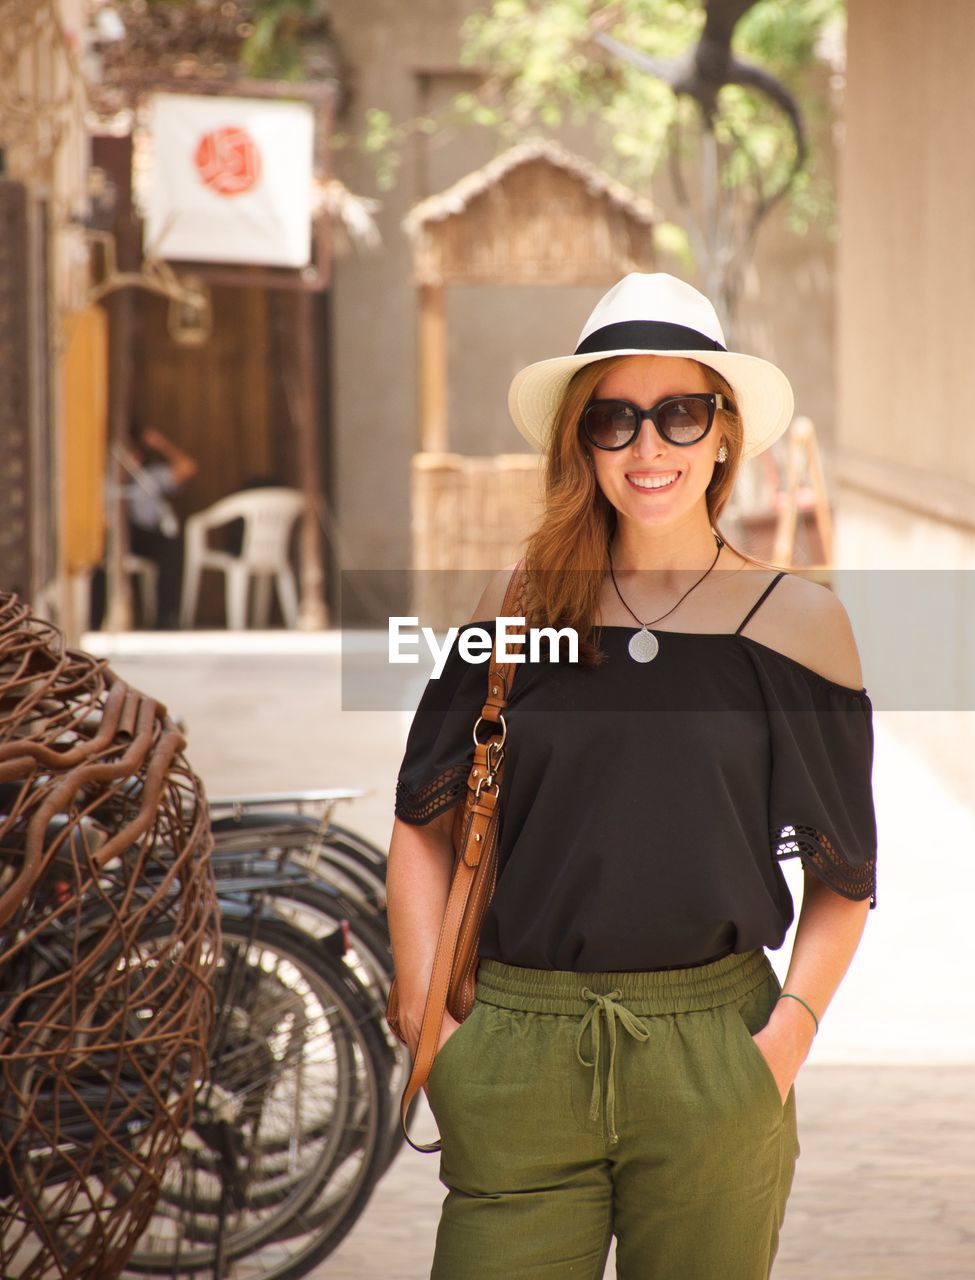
(504, 733)
(487, 781)
(494, 754)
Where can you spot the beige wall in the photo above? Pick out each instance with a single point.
(405, 59)
(906, 376)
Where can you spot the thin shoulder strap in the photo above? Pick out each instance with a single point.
(780, 574)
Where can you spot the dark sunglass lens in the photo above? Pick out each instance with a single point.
(609, 423)
(684, 421)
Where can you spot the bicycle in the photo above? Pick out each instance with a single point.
(288, 1136)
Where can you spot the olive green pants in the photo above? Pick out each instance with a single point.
(576, 1106)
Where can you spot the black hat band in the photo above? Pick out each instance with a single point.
(647, 333)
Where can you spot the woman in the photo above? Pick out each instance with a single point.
(628, 1065)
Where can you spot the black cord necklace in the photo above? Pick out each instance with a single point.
(643, 644)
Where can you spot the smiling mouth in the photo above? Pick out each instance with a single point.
(653, 484)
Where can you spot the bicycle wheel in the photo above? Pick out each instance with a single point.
(365, 861)
(285, 853)
(271, 871)
(312, 905)
(370, 853)
(306, 907)
(349, 861)
(295, 1113)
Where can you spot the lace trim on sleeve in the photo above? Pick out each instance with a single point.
(816, 852)
(433, 798)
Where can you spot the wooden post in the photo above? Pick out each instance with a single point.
(118, 606)
(115, 155)
(803, 448)
(824, 514)
(312, 613)
(433, 370)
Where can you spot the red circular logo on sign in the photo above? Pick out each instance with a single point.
(228, 160)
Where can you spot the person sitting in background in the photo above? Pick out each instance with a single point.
(154, 468)
(157, 468)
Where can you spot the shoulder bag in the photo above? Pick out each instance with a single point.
(453, 980)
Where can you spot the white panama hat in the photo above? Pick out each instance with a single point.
(656, 314)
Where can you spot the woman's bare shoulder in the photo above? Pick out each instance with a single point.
(806, 621)
(492, 598)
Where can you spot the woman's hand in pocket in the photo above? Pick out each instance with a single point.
(784, 1042)
(411, 1021)
(447, 1029)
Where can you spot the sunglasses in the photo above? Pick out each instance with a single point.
(613, 424)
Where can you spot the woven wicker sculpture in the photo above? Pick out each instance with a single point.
(108, 933)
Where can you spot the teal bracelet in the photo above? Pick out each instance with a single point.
(791, 996)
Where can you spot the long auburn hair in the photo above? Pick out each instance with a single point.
(567, 554)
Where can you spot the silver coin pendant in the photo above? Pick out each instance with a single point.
(644, 646)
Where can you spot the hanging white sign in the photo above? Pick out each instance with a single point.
(231, 180)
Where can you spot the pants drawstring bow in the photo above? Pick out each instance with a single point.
(612, 1011)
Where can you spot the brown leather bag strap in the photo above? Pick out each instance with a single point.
(443, 959)
(502, 674)
(479, 839)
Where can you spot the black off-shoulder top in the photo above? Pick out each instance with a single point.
(646, 808)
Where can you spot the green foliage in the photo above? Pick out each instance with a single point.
(267, 39)
(274, 48)
(384, 141)
(671, 240)
(783, 34)
(544, 69)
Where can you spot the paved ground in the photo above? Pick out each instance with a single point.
(885, 1184)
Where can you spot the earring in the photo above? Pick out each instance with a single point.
(722, 454)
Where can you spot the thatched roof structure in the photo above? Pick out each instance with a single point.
(534, 214)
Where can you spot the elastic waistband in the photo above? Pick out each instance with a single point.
(652, 991)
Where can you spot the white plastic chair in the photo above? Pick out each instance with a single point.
(269, 516)
(146, 573)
